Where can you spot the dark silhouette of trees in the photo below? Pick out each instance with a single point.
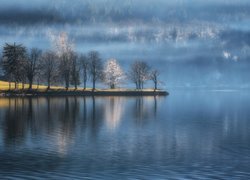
(65, 67)
(32, 65)
(64, 50)
(65, 64)
(84, 63)
(1, 67)
(95, 67)
(75, 71)
(139, 73)
(13, 62)
(23, 76)
(49, 67)
(154, 76)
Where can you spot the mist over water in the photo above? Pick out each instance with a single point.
(199, 134)
(200, 131)
(194, 43)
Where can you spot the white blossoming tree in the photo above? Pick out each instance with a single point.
(113, 73)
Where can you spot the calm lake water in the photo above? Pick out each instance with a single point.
(189, 135)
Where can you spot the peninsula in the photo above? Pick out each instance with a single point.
(61, 91)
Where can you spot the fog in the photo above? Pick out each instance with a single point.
(192, 42)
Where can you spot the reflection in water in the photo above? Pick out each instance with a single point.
(145, 108)
(186, 135)
(16, 120)
(113, 111)
(26, 117)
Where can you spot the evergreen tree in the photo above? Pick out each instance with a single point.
(14, 59)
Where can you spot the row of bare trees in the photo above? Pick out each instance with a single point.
(65, 66)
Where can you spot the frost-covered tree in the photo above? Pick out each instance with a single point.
(65, 51)
(113, 73)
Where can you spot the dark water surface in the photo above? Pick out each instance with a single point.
(189, 135)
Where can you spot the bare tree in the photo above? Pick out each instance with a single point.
(32, 65)
(22, 75)
(95, 67)
(39, 75)
(65, 65)
(154, 76)
(75, 71)
(49, 67)
(64, 49)
(139, 73)
(84, 63)
(113, 73)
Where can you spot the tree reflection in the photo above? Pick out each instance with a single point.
(114, 108)
(60, 119)
(66, 128)
(155, 106)
(15, 125)
(145, 108)
(95, 121)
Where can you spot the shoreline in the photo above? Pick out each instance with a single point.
(31, 93)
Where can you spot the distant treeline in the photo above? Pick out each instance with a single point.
(64, 65)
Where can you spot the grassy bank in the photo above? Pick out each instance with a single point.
(60, 91)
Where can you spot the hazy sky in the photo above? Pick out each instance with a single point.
(194, 42)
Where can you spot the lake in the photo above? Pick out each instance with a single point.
(187, 135)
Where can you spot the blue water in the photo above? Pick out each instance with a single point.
(187, 135)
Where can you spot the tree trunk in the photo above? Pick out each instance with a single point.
(15, 85)
(139, 85)
(84, 84)
(66, 84)
(48, 84)
(38, 83)
(30, 84)
(155, 85)
(93, 85)
(85, 78)
(9, 85)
